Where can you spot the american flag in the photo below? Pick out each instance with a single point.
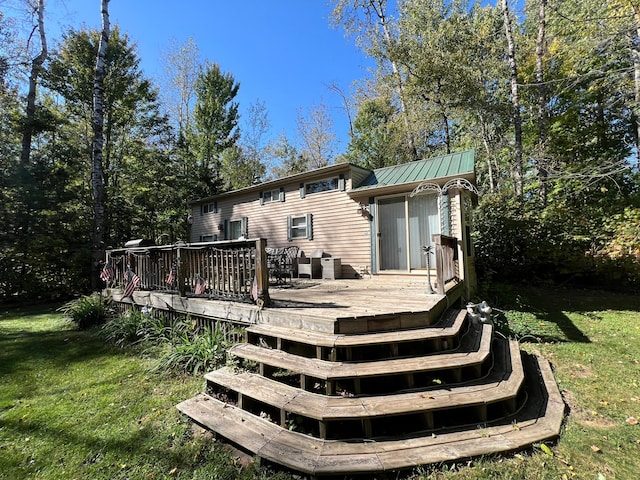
(107, 273)
(133, 281)
(200, 286)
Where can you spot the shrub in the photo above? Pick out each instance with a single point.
(124, 329)
(86, 311)
(196, 352)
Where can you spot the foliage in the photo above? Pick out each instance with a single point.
(196, 352)
(102, 414)
(214, 130)
(376, 138)
(87, 311)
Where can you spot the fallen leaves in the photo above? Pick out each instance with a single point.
(595, 449)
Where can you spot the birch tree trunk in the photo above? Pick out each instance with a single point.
(378, 8)
(36, 68)
(542, 102)
(635, 54)
(517, 166)
(97, 173)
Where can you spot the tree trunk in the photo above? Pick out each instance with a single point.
(97, 179)
(378, 8)
(542, 102)
(488, 152)
(36, 68)
(517, 167)
(635, 54)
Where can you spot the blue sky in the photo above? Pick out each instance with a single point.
(283, 52)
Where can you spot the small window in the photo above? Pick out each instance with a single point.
(300, 226)
(268, 196)
(208, 238)
(321, 186)
(210, 208)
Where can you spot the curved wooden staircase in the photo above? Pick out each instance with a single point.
(372, 400)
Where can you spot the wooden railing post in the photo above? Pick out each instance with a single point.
(262, 273)
(437, 240)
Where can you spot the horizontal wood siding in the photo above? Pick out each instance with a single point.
(338, 228)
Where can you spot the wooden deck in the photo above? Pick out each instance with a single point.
(362, 376)
(328, 306)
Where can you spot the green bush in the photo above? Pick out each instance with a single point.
(86, 311)
(196, 352)
(123, 329)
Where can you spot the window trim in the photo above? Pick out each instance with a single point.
(275, 195)
(308, 227)
(211, 207)
(304, 188)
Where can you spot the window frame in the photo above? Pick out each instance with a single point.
(211, 207)
(303, 231)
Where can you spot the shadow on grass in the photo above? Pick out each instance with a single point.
(58, 349)
(553, 306)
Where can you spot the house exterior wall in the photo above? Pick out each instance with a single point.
(337, 227)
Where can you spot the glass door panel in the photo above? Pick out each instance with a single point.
(392, 233)
(423, 222)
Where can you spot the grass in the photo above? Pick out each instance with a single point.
(73, 407)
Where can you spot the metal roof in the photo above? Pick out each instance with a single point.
(445, 166)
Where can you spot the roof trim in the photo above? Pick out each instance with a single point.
(328, 170)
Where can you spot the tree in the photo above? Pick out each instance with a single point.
(97, 123)
(36, 68)
(181, 66)
(517, 166)
(372, 25)
(215, 127)
(375, 138)
(317, 137)
(288, 160)
(134, 133)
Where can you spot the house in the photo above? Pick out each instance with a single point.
(347, 377)
(377, 221)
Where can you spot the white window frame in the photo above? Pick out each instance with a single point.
(209, 208)
(269, 196)
(300, 227)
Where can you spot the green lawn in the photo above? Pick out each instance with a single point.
(72, 407)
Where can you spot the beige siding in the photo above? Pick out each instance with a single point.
(338, 228)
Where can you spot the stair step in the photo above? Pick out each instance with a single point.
(396, 321)
(470, 356)
(538, 420)
(443, 335)
(500, 385)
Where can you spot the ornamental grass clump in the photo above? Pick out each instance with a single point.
(86, 311)
(196, 352)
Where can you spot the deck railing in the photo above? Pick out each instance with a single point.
(446, 260)
(234, 270)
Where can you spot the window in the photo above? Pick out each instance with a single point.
(234, 229)
(321, 186)
(208, 238)
(268, 196)
(326, 185)
(210, 208)
(300, 226)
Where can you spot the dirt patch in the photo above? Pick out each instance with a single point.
(585, 417)
(581, 371)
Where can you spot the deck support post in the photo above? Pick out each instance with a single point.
(428, 419)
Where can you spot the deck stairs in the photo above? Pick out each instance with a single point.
(373, 400)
